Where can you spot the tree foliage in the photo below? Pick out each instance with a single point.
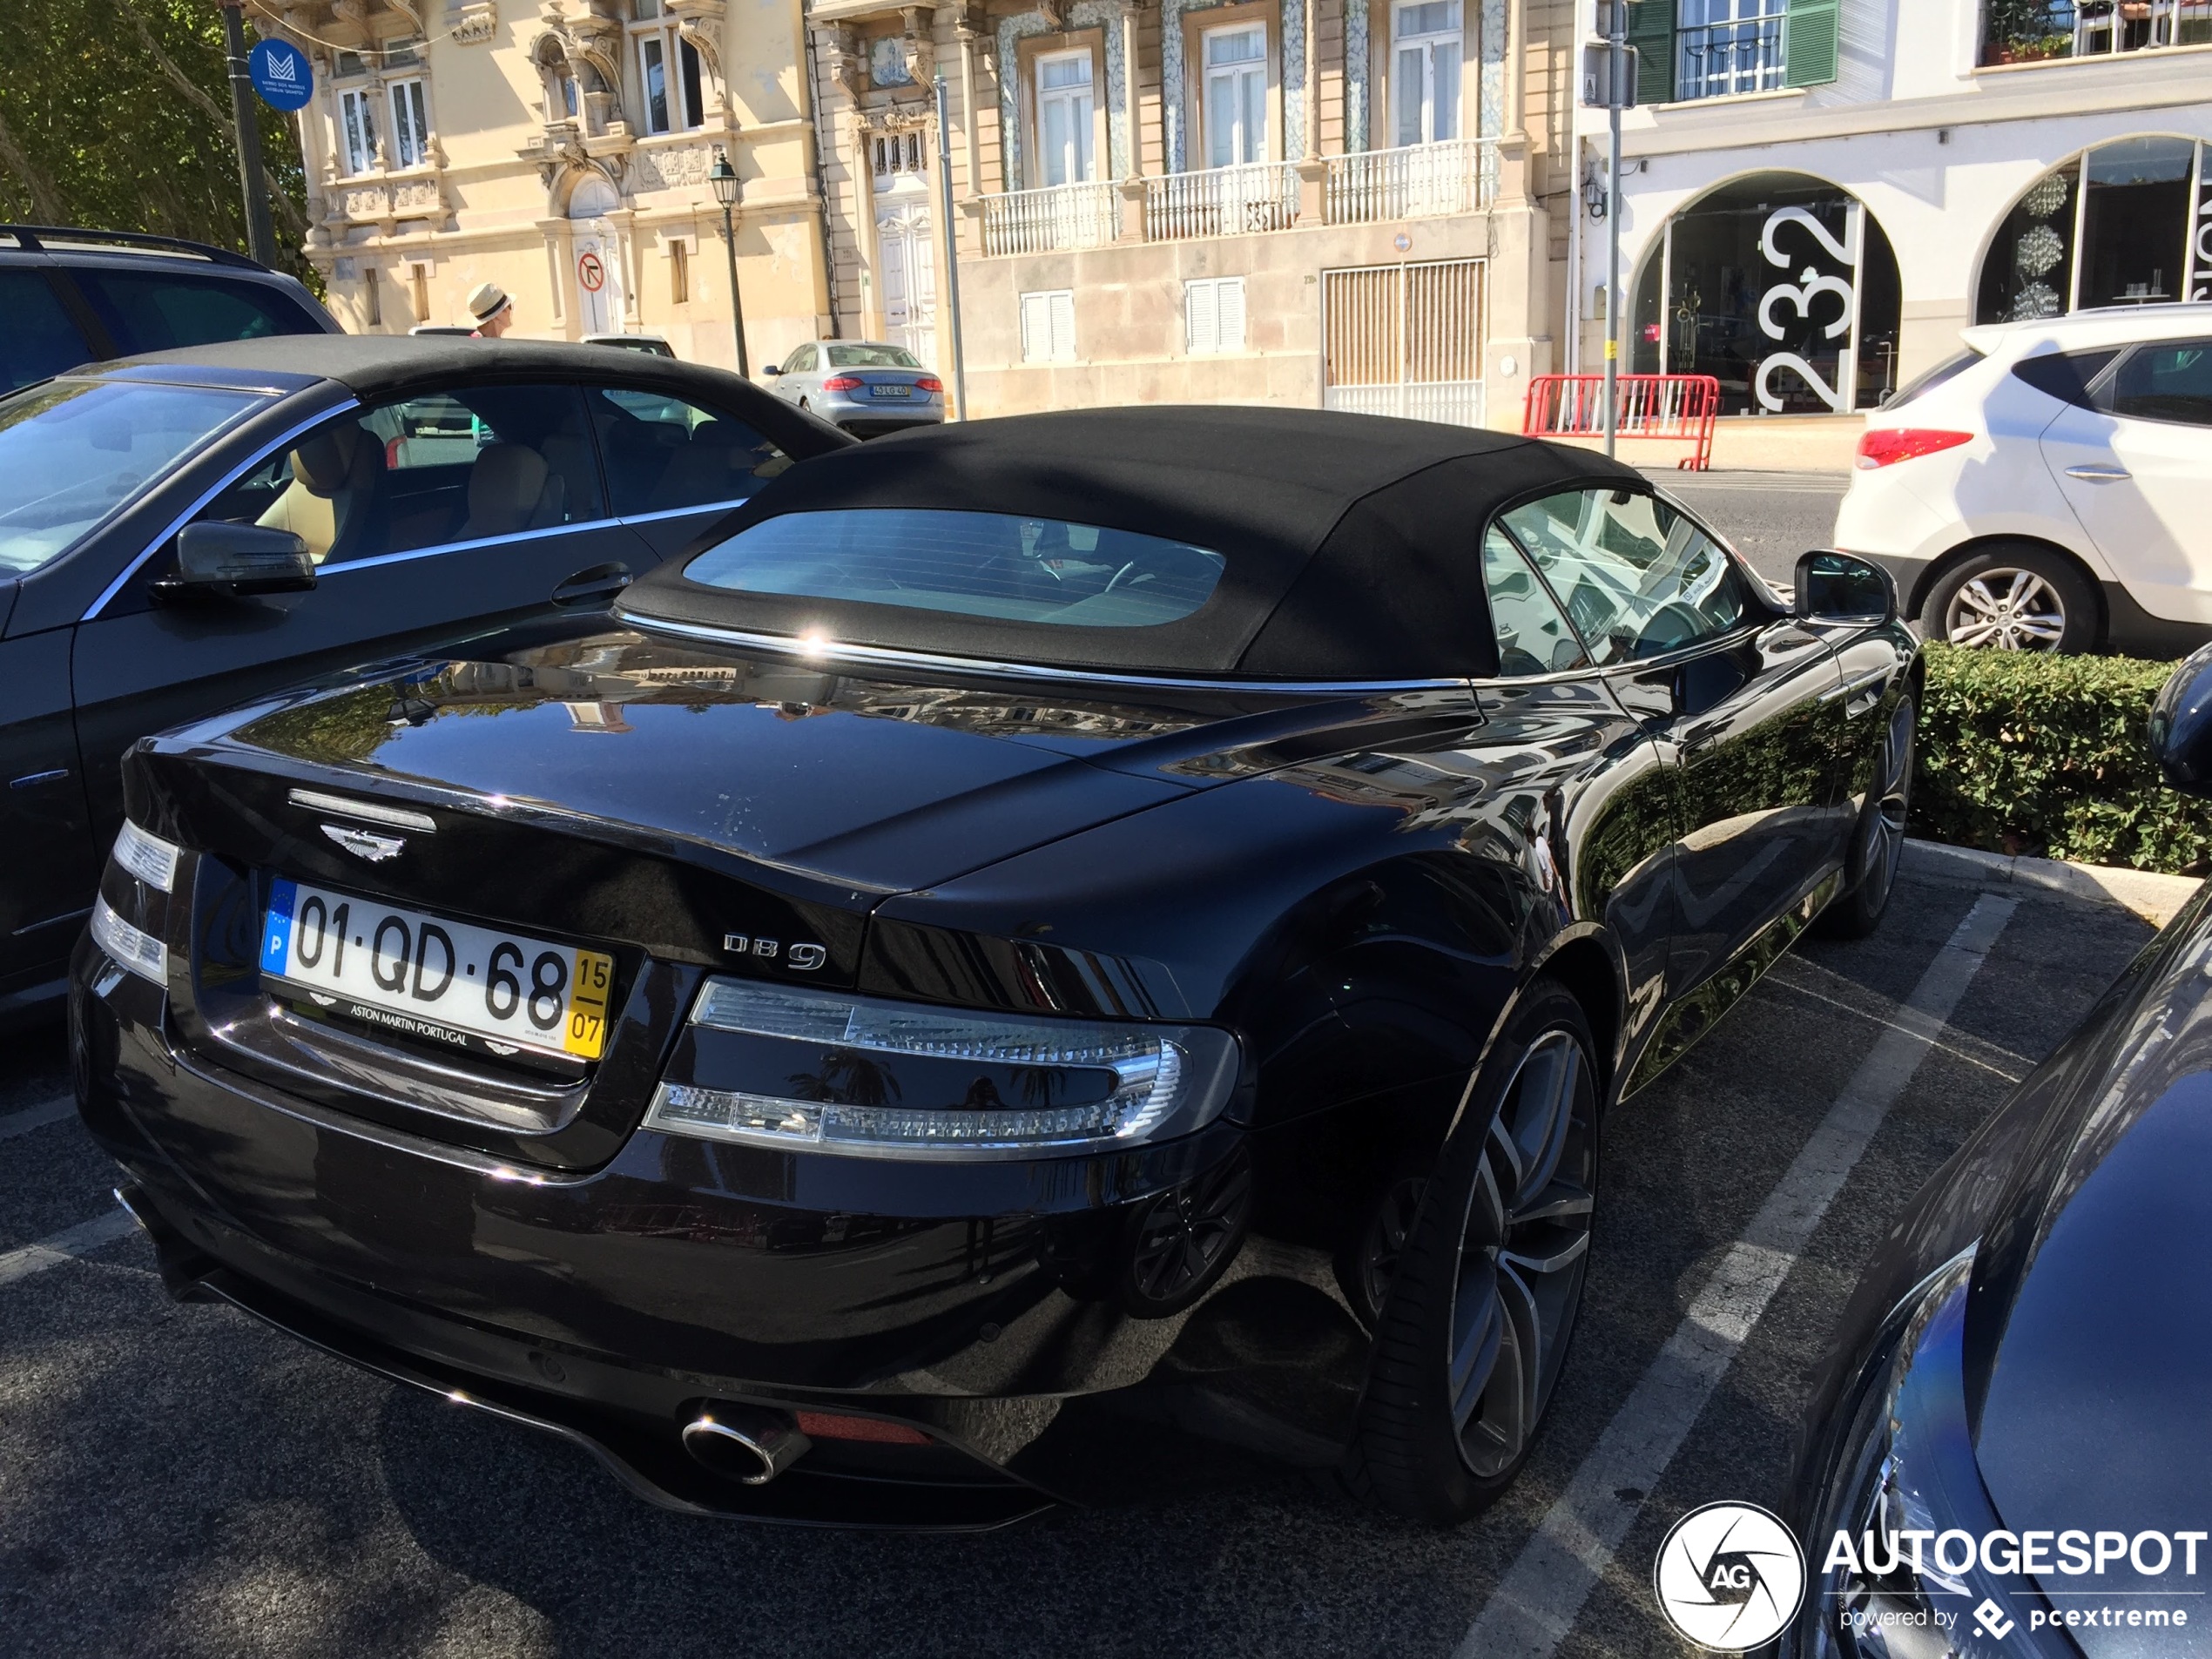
(115, 114)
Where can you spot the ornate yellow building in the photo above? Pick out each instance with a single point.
(1346, 203)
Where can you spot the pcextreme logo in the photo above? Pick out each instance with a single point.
(1729, 1576)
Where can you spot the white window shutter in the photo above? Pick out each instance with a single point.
(1201, 317)
(1036, 328)
(1064, 326)
(1229, 312)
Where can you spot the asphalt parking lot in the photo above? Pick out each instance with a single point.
(178, 1480)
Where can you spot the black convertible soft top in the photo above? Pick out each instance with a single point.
(1352, 541)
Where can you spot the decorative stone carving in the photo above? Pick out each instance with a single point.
(920, 46)
(477, 22)
(1055, 13)
(701, 24)
(411, 11)
(671, 167)
(847, 64)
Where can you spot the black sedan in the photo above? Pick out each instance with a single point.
(2012, 1441)
(184, 531)
(1027, 933)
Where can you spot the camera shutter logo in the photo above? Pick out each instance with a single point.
(1729, 1576)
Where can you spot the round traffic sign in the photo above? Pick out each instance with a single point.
(590, 272)
(282, 74)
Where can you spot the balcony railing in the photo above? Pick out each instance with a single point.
(1421, 181)
(1051, 219)
(2029, 31)
(1221, 201)
(1375, 187)
(1722, 60)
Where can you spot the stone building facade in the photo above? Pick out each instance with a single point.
(561, 149)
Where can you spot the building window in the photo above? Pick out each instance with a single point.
(1048, 325)
(679, 274)
(357, 129)
(410, 125)
(1213, 314)
(2117, 225)
(1724, 47)
(373, 296)
(1235, 99)
(1424, 73)
(1781, 287)
(2029, 31)
(419, 279)
(898, 152)
(1694, 48)
(668, 72)
(1065, 116)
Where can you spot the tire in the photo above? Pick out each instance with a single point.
(1473, 1328)
(1878, 840)
(2014, 596)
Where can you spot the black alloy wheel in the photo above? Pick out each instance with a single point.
(2014, 597)
(1184, 1238)
(1878, 842)
(1476, 1321)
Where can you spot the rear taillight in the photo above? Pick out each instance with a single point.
(930, 383)
(842, 383)
(1884, 446)
(836, 1425)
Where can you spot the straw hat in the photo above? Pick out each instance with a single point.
(486, 300)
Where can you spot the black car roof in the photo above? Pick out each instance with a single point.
(1351, 538)
(375, 366)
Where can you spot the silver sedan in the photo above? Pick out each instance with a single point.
(863, 386)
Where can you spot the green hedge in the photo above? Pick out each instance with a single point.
(2025, 752)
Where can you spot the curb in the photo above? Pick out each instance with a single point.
(2153, 897)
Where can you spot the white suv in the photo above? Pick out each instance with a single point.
(2047, 488)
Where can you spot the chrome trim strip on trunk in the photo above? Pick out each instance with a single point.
(886, 656)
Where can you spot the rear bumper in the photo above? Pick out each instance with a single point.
(981, 1305)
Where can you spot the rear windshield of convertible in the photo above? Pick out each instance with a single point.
(973, 564)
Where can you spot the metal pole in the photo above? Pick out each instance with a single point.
(736, 311)
(952, 244)
(1616, 40)
(260, 239)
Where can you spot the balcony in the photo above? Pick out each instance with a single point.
(1375, 187)
(2035, 31)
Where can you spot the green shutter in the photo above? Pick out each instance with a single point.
(1651, 32)
(1809, 42)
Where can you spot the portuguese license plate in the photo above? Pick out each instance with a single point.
(891, 391)
(427, 976)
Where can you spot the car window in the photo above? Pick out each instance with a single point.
(73, 451)
(425, 472)
(1533, 636)
(663, 454)
(40, 341)
(158, 311)
(2171, 380)
(974, 564)
(2065, 375)
(1637, 577)
(871, 357)
(1928, 380)
(802, 361)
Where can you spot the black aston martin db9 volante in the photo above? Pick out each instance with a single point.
(1025, 930)
(2017, 1415)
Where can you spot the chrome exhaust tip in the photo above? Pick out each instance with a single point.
(746, 1443)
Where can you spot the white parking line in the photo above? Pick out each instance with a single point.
(1537, 1601)
(31, 1117)
(64, 1246)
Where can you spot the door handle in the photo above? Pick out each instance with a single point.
(1863, 693)
(2098, 475)
(587, 587)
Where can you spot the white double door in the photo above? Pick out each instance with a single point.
(907, 265)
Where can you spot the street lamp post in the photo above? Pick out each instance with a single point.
(723, 178)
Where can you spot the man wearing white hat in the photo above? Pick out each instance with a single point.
(493, 310)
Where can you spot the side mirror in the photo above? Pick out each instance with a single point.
(1835, 587)
(231, 560)
(2181, 725)
(772, 370)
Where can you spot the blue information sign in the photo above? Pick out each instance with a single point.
(282, 75)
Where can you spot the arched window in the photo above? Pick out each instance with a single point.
(2127, 223)
(1780, 285)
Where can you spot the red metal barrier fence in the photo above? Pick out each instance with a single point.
(1677, 407)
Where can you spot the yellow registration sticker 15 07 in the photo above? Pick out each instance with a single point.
(586, 1035)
